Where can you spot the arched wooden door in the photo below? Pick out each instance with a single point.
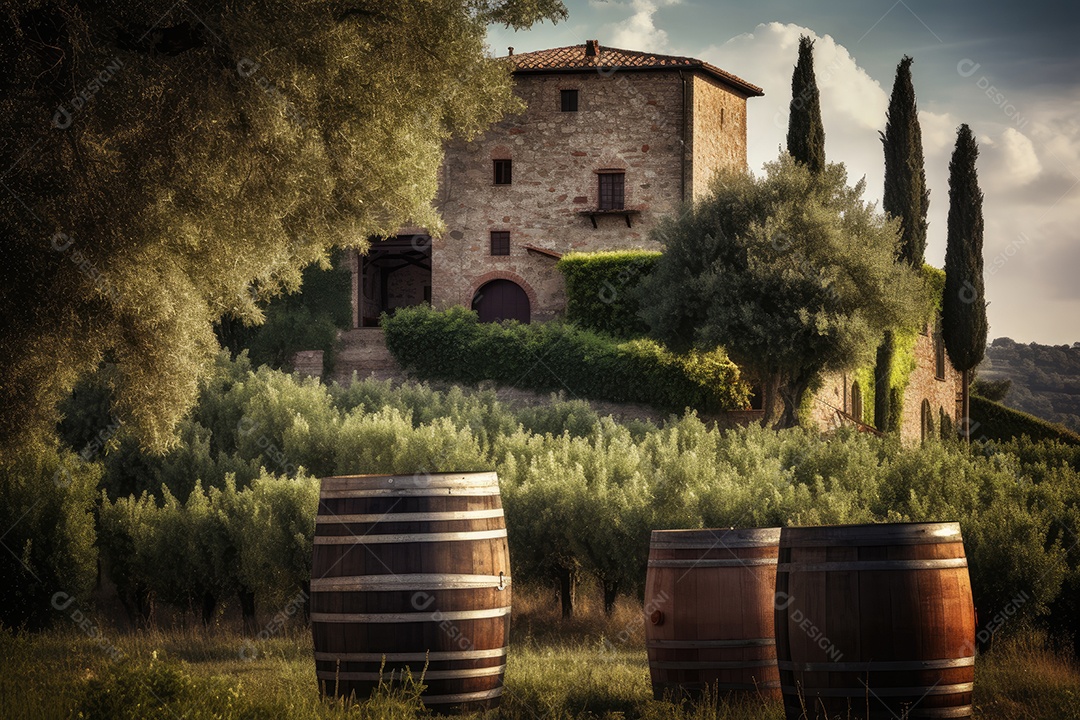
(501, 300)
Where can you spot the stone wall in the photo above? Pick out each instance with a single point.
(719, 131)
(628, 121)
(942, 394)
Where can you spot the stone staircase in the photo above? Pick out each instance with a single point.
(363, 351)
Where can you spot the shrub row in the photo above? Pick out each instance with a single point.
(601, 289)
(1000, 422)
(579, 498)
(453, 345)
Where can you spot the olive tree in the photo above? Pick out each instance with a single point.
(793, 273)
(166, 164)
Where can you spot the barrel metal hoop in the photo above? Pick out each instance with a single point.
(411, 492)
(864, 565)
(767, 685)
(704, 644)
(719, 537)
(712, 665)
(437, 616)
(461, 697)
(711, 562)
(961, 711)
(446, 656)
(392, 517)
(885, 666)
(398, 674)
(441, 481)
(922, 691)
(418, 581)
(875, 534)
(373, 539)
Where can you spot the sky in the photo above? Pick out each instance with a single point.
(1010, 70)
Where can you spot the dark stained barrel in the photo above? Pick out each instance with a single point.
(875, 621)
(709, 612)
(412, 570)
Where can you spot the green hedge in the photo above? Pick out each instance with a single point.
(453, 345)
(998, 422)
(581, 494)
(599, 289)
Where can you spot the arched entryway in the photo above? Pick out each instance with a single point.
(926, 421)
(501, 300)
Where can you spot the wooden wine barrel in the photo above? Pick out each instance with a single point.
(709, 612)
(875, 621)
(412, 570)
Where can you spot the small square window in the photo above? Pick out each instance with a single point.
(569, 100)
(500, 242)
(612, 191)
(503, 172)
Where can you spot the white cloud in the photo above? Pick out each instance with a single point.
(1010, 159)
(853, 104)
(639, 31)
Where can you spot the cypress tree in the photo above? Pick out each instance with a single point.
(906, 198)
(963, 305)
(806, 133)
(906, 195)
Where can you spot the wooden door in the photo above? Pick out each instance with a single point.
(501, 300)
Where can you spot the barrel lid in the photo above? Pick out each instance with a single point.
(418, 480)
(871, 534)
(707, 539)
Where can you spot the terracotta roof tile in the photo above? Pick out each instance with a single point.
(608, 59)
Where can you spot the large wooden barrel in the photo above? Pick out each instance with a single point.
(411, 570)
(709, 612)
(875, 621)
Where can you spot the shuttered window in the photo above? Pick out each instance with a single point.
(612, 191)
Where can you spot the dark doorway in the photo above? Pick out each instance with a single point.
(501, 300)
(395, 273)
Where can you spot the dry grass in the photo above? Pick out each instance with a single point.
(590, 667)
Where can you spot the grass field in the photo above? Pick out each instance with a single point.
(590, 667)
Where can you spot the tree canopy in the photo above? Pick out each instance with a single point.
(806, 131)
(907, 198)
(794, 274)
(963, 305)
(167, 164)
(906, 195)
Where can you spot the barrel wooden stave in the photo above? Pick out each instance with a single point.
(908, 633)
(376, 594)
(698, 646)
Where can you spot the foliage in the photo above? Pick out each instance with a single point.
(599, 289)
(906, 195)
(581, 493)
(992, 390)
(454, 345)
(793, 274)
(1043, 379)
(806, 132)
(47, 543)
(964, 300)
(995, 421)
(306, 320)
(199, 155)
(214, 544)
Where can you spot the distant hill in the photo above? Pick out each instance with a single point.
(1045, 378)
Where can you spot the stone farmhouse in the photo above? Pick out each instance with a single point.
(610, 142)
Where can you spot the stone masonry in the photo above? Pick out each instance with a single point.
(668, 123)
(941, 396)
